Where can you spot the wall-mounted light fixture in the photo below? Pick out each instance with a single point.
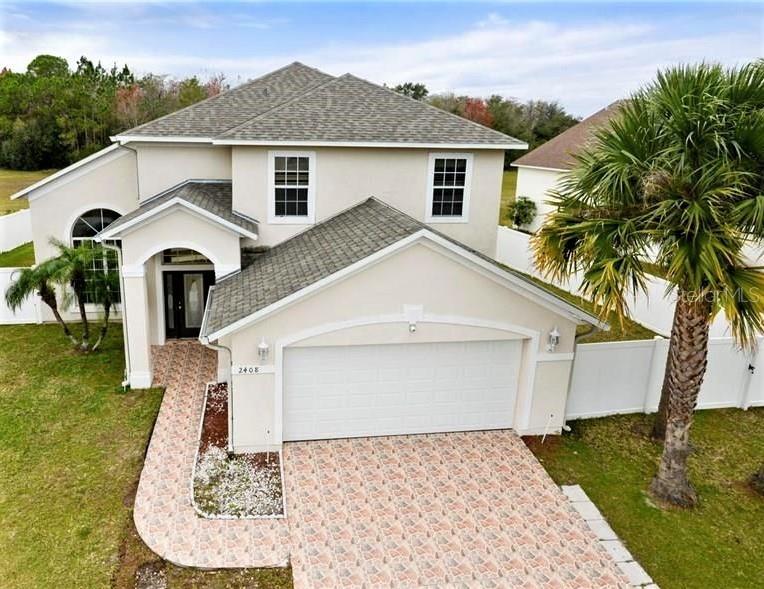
(412, 327)
(263, 350)
(554, 339)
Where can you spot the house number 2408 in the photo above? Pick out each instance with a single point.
(248, 369)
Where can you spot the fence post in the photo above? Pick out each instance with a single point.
(655, 376)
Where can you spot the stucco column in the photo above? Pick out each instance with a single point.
(136, 325)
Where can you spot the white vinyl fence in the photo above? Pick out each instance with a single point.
(30, 311)
(654, 310)
(15, 229)
(626, 377)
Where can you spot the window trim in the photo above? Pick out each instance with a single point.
(465, 216)
(308, 219)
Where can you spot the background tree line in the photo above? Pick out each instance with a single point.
(51, 115)
(534, 121)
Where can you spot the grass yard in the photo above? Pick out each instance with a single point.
(508, 185)
(11, 181)
(719, 544)
(18, 257)
(628, 330)
(71, 450)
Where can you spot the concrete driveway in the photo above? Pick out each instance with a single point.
(461, 509)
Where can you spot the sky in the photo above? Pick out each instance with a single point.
(583, 55)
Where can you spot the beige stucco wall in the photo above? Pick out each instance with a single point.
(162, 166)
(112, 185)
(446, 290)
(346, 176)
(182, 228)
(536, 184)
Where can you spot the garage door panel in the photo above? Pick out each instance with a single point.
(337, 391)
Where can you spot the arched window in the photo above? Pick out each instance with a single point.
(85, 228)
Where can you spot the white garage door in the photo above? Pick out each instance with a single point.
(348, 391)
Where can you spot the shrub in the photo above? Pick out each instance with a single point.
(522, 211)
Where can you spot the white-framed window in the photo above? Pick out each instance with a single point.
(449, 177)
(84, 230)
(291, 187)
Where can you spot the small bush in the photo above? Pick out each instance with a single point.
(522, 211)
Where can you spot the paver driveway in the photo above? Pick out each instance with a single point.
(464, 509)
(461, 509)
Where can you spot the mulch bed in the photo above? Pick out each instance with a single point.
(233, 485)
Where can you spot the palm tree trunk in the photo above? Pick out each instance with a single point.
(104, 326)
(659, 425)
(48, 297)
(686, 367)
(757, 480)
(85, 325)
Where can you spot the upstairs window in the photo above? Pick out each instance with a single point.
(448, 191)
(292, 179)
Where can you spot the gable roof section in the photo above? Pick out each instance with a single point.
(217, 114)
(211, 199)
(303, 262)
(351, 110)
(557, 153)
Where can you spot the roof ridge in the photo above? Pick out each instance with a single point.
(246, 84)
(435, 108)
(283, 104)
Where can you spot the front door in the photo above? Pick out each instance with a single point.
(185, 295)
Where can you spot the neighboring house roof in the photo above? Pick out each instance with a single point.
(217, 114)
(301, 105)
(303, 262)
(212, 199)
(557, 153)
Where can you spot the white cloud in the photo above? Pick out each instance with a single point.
(585, 66)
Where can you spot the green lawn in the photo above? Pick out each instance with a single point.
(719, 544)
(11, 181)
(18, 257)
(71, 450)
(508, 186)
(628, 330)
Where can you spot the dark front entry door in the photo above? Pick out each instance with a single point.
(185, 295)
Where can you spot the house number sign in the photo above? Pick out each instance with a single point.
(251, 369)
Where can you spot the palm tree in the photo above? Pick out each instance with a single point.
(36, 280)
(674, 183)
(105, 288)
(69, 267)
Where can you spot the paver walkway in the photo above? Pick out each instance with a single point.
(440, 510)
(164, 516)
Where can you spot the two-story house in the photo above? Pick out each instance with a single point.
(332, 240)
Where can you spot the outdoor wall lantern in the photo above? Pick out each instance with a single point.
(554, 339)
(263, 349)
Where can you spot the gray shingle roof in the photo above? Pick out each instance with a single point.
(351, 109)
(215, 115)
(558, 152)
(300, 103)
(315, 254)
(212, 196)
